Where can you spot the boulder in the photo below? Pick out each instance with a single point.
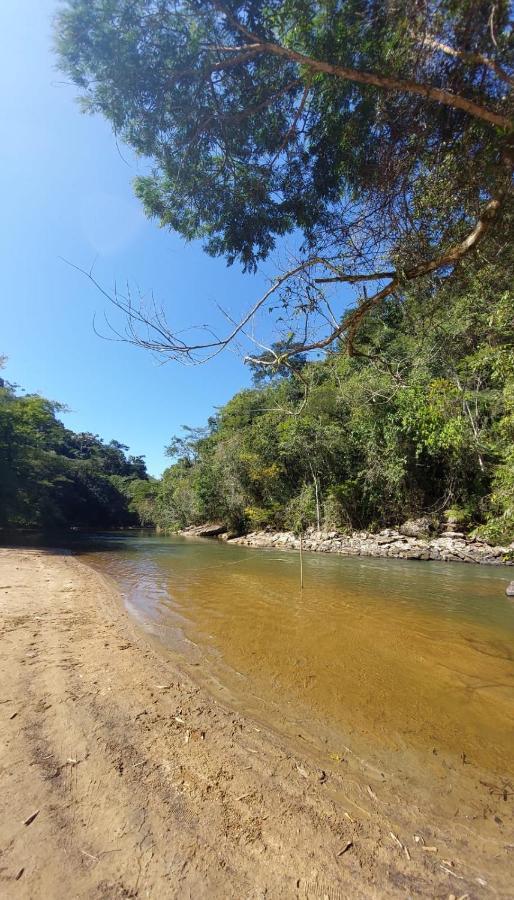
(210, 529)
(417, 527)
(509, 590)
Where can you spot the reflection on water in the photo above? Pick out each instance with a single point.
(381, 656)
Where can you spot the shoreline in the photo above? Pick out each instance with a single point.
(121, 777)
(388, 543)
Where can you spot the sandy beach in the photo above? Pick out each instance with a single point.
(120, 777)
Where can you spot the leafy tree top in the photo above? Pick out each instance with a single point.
(380, 131)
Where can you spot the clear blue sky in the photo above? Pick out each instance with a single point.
(66, 192)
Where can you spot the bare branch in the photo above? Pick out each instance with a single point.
(472, 58)
(157, 336)
(452, 256)
(491, 25)
(355, 279)
(292, 127)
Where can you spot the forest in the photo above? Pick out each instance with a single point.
(51, 477)
(421, 421)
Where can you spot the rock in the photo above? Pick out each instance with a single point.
(210, 529)
(448, 547)
(453, 520)
(417, 527)
(509, 590)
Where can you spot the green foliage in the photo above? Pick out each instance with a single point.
(458, 515)
(51, 477)
(257, 517)
(300, 512)
(500, 524)
(249, 147)
(420, 422)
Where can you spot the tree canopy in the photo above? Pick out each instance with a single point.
(379, 132)
(421, 422)
(53, 477)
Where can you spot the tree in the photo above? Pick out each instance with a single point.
(381, 133)
(50, 476)
(419, 422)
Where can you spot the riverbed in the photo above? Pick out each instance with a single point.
(406, 667)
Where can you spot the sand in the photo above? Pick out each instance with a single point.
(120, 777)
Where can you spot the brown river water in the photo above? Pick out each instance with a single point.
(405, 666)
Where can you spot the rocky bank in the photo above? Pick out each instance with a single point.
(450, 546)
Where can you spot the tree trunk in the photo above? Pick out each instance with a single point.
(301, 560)
(316, 492)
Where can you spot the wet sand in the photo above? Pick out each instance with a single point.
(121, 777)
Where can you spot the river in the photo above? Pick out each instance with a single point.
(406, 667)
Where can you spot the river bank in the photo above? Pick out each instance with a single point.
(122, 778)
(388, 543)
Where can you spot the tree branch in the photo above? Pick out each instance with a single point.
(454, 255)
(355, 279)
(292, 127)
(168, 342)
(429, 92)
(447, 98)
(247, 53)
(473, 58)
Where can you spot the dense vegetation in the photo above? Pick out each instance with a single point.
(52, 477)
(421, 421)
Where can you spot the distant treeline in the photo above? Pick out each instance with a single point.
(53, 477)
